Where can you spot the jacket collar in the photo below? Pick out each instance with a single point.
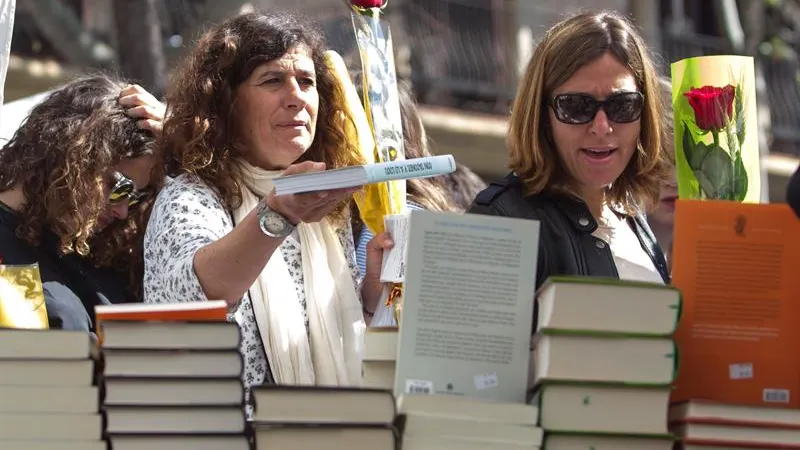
(578, 214)
(576, 211)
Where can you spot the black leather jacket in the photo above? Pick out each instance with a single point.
(566, 244)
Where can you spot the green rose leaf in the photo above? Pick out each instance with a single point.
(699, 155)
(716, 175)
(706, 185)
(688, 144)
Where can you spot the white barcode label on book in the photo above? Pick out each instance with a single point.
(776, 396)
(485, 381)
(419, 387)
(740, 371)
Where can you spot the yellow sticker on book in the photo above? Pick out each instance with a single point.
(22, 297)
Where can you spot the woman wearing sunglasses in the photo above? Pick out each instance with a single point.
(585, 150)
(73, 185)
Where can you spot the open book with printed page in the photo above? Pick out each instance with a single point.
(354, 176)
(466, 321)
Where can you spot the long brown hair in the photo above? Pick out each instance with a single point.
(430, 193)
(566, 47)
(61, 157)
(668, 123)
(200, 135)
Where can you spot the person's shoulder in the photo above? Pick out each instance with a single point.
(509, 185)
(13, 249)
(507, 197)
(8, 233)
(188, 189)
(65, 309)
(185, 182)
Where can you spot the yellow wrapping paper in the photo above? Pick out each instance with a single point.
(376, 200)
(22, 297)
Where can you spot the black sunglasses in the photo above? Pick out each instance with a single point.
(578, 109)
(123, 189)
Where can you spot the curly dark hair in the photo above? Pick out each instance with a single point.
(200, 136)
(61, 157)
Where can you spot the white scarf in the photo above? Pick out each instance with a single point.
(330, 352)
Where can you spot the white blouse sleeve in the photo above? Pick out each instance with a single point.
(186, 216)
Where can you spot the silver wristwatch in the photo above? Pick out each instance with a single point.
(272, 223)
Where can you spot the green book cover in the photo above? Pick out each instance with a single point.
(609, 281)
(673, 355)
(599, 435)
(615, 282)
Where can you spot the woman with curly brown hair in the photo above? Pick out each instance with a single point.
(585, 147)
(253, 101)
(74, 183)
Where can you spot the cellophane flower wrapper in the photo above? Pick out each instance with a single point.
(716, 128)
(382, 107)
(381, 104)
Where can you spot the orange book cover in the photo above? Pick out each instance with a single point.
(714, 413)
(210, 311)
(736, 423)
(714, 444)
(736, 265)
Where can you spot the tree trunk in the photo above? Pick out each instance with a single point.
(63, 30)
(140, 44)
(647, 16)
(731, 25)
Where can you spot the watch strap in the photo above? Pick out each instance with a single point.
(264, 213)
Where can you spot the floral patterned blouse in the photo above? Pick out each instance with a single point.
(188, 215)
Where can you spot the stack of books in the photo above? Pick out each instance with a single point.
(330, 418)
(172, 377)
(380, 357)
(49, 398)
(446, 422)
(704, 425)
(603, 363)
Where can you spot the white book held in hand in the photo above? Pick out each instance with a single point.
(354, 176)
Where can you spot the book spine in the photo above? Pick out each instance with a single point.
(410, 168)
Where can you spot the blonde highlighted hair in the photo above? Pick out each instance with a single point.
(567, 47)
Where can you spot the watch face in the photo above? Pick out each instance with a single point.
(274, 225)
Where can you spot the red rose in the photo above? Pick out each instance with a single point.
(713, 106)
(367, 3)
